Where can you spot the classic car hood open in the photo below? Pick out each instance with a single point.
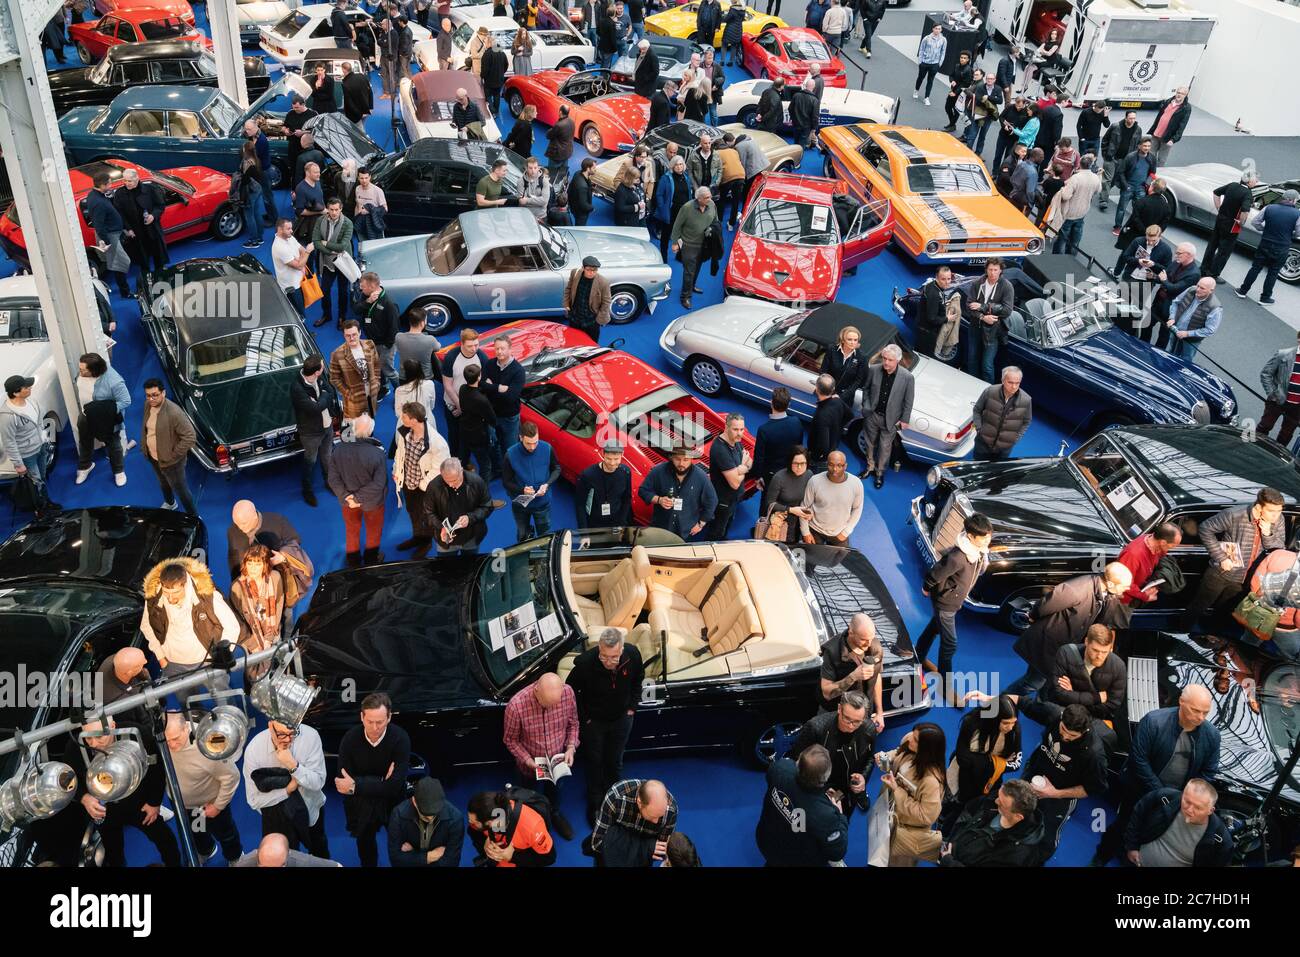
(287, 84)
(395, 628)
(1031, 499)
(245, 408)
(950, 395)
(395, 257)
(613, 246)
(340, 139)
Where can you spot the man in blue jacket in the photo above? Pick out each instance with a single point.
(777, 437)
(503, 384)
(107, 223)
(426, 830)
(682, 495)
(1171, 746)
(799, 825)
(530, 469)
(1178, 830)
(1279, 224)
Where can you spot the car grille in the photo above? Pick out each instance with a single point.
(1143, 687)
(952, 519)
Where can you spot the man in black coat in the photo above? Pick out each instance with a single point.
(1170, 283)
(645, 78)
(948, 584)
(797, 793)
(358, 97)
(492, 71)
(661, 106)
(459, 499)
(374, 759)
(989, 301)
(872, 11)
(426, 830)
(1170, 123)
(559, 148)
(149, 206)
(1178, 829)
(579, 192)
(771, 108)
(1002, 830)
(1090, 675)
(315, 403)
(707, 21)
(805, 113)
(1051, 123)
(849, 738)
(827, 422)
(935, 297)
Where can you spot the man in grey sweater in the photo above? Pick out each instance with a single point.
(416, 344)
(835, 498)
(22, 438)
(687, 238)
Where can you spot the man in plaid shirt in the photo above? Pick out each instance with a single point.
(541, 721)
(635, 808)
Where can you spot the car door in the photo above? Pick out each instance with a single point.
(879, 178)
(411, 206)
(795, 364)
(102, 37)
(179, 216)
(762, 51)
(189, 141)
(868, 234)
(517, 281)
(127, 33)
(142, 136)
(566, 422)
(172, 71)
(132, 73)
(452, 193)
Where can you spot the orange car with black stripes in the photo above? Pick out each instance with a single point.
(946, 208)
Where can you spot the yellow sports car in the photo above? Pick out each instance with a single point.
(680, 22)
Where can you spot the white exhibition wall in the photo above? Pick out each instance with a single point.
(1249, 69)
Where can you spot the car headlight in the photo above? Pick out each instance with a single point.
(1201, 412)
(1034, 245)
(1228, 409)
(930, 509)
(932, 477)
(932, 247)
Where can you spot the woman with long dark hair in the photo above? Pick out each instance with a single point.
(988, 745)
(914, 775)
(784, 493)
(250, 193)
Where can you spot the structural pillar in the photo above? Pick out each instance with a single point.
(224, 24)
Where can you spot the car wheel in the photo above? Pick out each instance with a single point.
(748, 117)
(50, 429)
(84, 55)
(785, 166)
(1012, 615)
(516, 103)
(441, 313)
(625, 305)
(1236, 810)
(592, 140)
(1291, 268)
(572, 63)
(275, 175)
(706, 376)
(228, 223)
(858, 438)
(770, 742)
(828, 167)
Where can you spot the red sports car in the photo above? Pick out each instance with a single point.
(789, 53)
(197, 201)
(582, 395)
(603, 118)
(177, 8)
(133, 25)
(798, 235)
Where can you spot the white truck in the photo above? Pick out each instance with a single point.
(1130, 54)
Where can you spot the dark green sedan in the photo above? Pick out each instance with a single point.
(230, 345)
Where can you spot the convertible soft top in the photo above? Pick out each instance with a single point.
(823, 325)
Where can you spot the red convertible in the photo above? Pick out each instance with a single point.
(131, 25)
(604, 118)
(197, 199)
(789, 52)
(582, 395)
(177, 8)
(798, 235)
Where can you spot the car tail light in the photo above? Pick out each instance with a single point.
(959, 434)
(222, 456)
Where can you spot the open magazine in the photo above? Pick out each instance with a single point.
(552, 769)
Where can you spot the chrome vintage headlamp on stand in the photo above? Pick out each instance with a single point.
(282, 696)
(40, 790)
(220, 732)
(115, 772)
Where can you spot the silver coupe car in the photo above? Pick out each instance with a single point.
(752, 346)
(500, 264)
(1194, 186)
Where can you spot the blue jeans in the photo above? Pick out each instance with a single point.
(1090, 146)
(606, 60)
(1270, 257)
(295, 297)
(638, 32)
(526, 521)
(711, 115)
(268, 199)
(1127, 193)
(1031, 681)
(1069, 237)
(976, 132)
(507, 432)
(983, 356)
(252, 226)
(1183, 348)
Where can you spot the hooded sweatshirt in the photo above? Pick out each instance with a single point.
(952, 577)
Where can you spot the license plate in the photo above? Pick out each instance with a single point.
(1130, 104)
(923, 547)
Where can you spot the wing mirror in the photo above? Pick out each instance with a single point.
(777, 364)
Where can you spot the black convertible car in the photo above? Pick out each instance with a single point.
(69, 598)
(125, 65)
(452, 639)
(230, 344)
(1054, 518)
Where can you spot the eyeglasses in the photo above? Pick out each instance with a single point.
(290, 734)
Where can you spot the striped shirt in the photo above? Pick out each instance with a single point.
(620, 807)
(532, 731)
(1293, 388)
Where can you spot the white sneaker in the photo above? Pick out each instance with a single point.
(927, 101)
(82, 473)
(916, 94)
(120, 479)
(170, 506)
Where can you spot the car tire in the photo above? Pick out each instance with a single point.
(706, 376)
(592, 141)
(768, 741)
(442, 313)
(748, 117)
(626, 304)
(858, 438)
(84, 55)
(276, 175)
(1005, 618)
(1291, 268)
(572, 63)
(515, 101)
(50, 429)
(228, 223)
(828, 167)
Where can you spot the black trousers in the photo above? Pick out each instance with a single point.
(367, 840)
(1055, 811)
(290, 818)
(603, 743)
(159, 834)
(413, 499)
(984, 453)
(732, 198)
(316, 448)
(86, 447)
(1217, 250)
(720, 524)
(219, 830)
(1216, 594)
(153, 248)
(1289, 412)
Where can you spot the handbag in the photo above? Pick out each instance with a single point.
(880, 829)
(1256, 615)
(773, 526)
(310, 288)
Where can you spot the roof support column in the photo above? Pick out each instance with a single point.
(224, 24)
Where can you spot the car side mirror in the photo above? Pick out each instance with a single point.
(777, 364)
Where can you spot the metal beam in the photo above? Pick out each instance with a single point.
(224, 26)
(38, 172)
(35, 15)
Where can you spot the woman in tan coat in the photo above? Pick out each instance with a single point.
(916, 780)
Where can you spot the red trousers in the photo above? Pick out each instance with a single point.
(374, 519)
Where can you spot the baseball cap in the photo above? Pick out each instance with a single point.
(15, 383)
(429, 797)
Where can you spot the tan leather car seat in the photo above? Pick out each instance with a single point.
(725, 621)
(622, 592)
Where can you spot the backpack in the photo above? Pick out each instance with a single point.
(533, 799)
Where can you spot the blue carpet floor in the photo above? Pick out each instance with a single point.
(718, 795)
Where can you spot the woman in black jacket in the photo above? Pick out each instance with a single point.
(785, 492)
(697, 101)
(988, 745)
(629, 204)
(322, 91)
(846, 364)
(520, 138)
(963, 75)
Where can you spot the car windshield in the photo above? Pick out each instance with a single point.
(164, 29)
(244, 354)
(171, 182)
(556, 246)
(1119, 488)
(664, 419)
(781, 332)
(290, 25)
(806, 50)
(947, 178)
(512, 609)
(1280, 705)
(446, 250)
(798, 224)
(22, 324)
(1074, 324)
(222, 115)
(551, 362)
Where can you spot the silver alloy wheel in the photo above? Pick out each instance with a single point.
(439, 314)
(1291, 268)
(707, 377)
(592, 140)
(229, 223)
(624, 306)
(516, 103)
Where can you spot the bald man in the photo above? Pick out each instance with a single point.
(1194, 317)
(122, 673)
(246, 523)
(206, 789)
(852, 663)
(635, 821)
(1063, 618)
(274, 851)
(541, 734)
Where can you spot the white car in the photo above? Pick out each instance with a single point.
(553, 48)
(750, 347)
(839, 107)
(25, 350)
(253, 15)
(308, 28)
(427, 100)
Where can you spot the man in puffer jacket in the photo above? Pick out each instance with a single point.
(948, 584)
(184, 615)
(1000, 831)
(1234, 538)
(1002, 416)
(419, 452)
